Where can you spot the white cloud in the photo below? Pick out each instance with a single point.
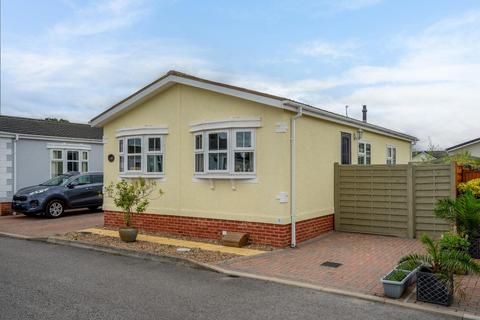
(327, 51)
(101, 17)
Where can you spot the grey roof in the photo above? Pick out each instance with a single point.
(49, 128)
(463, 144)
(317, 111)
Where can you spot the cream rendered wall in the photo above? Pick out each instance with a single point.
(318, 148)
(177, 108)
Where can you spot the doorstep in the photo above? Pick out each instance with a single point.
(179, 242)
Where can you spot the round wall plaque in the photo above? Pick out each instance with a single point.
(111, 158)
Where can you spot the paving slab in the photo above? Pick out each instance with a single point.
(40, 226)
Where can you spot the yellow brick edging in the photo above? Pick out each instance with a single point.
(179, 243)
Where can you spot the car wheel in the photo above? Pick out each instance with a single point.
(54, 209)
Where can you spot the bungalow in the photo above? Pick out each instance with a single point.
(471, 146)
(234, 159)
(34, 150)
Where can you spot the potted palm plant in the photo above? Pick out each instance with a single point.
(132, 197)
(439, 264)
(464, 213)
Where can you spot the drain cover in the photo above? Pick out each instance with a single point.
(331, 264)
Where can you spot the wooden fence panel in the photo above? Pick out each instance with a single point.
(394, 200)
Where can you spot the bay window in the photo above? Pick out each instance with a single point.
(228, 152)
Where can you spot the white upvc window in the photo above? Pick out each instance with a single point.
(141, 155)
(364, 153)
(154, 154)
(244, 151)
(217, 151)
(56, 167)
(225, 153)
(66, 160)
(391, 155)
(199, 156)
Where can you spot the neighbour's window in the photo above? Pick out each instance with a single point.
(63, 161)
(364, 153)
(84, 161)
(229, 151)
(143, 154)
(57, 163)
(346, 148)
(391, 155)
(72, 161)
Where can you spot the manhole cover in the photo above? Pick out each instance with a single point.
(331, 264)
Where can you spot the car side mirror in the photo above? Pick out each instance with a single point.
(70, 186)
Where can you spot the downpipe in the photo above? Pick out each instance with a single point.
(293, 175)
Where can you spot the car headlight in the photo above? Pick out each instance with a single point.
(38, 191)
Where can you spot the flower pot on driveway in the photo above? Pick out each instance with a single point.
(412, 273)
(128, 234)
(394, 288)
(434, 288)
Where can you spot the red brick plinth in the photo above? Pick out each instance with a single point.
(5, 208)
(277, 235)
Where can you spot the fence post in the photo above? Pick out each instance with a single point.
(453, 178)
(410, 202)
(336, 196)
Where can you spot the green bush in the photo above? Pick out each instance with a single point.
(131, 197)
(472, 185)
(408, 265)
(463, 212)
(451, 241)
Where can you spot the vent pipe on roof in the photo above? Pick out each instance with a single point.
(364, 111)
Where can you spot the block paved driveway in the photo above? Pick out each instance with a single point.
(40, 226)
(365, 260)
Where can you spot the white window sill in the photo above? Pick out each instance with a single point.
(142, 175)
(225, 176)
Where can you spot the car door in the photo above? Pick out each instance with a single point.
(97, 188)
(80, 191)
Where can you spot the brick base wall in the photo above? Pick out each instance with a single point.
(5, 208)
(277, 235)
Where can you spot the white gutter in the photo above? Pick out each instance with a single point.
(15, 164)
(293, 174)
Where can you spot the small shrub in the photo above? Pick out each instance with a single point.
(472, 185)
(396, 275)
(408, 265)
(450, 241)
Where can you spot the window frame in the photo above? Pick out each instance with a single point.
(200, 151)
(58, 160)
(218, 151)
(230, 151)
(392, 159)
(125, 148)
(364, 153)
(145, 152)
(251, 149)
(64, 149)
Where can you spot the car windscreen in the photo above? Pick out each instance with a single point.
(57, 181)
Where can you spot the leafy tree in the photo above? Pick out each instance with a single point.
(132, 197)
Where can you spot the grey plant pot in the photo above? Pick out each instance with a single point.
(395, 289)
(128, 234)
(412, 276)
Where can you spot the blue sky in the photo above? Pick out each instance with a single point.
(416, 64)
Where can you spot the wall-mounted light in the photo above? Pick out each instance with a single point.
(358, 135)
